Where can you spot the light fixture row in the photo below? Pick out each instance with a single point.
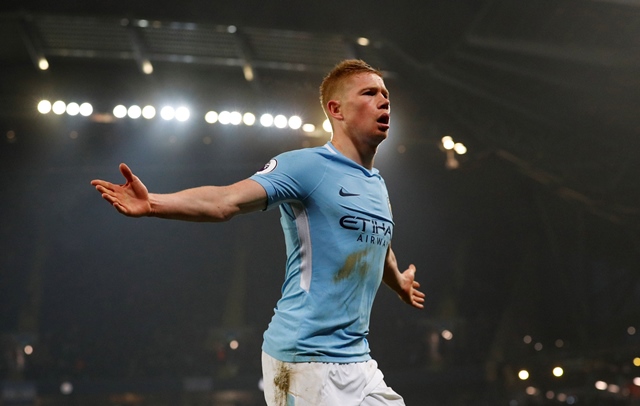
(59, 107)
(182, 113)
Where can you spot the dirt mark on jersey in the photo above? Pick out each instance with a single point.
(355, 262)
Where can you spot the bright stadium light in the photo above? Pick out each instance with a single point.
(134, 112)
(73, 109)
(182, 114)
(280, 121)
(59, 107)
(149, 112)
(235, 118)
(147, 67)
(249, 119)
(295, 122)
(120, 111)
(558, 372)
(266, 120)
(447, 142)
(43, 64)
(326, 125)
(167, 113)
(308, 128)
(460, 148)
(224, 117)
(86, 109)
(211, 117)
(523, 375)
(44, 107)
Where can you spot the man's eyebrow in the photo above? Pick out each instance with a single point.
(376, 88)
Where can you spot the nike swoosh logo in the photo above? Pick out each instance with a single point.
(345, 193)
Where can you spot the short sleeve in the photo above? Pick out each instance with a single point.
(290, 176)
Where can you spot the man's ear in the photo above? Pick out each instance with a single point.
(334, 109)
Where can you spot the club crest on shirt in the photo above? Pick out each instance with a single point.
(269, 167)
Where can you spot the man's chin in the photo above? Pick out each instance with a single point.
(378, 137)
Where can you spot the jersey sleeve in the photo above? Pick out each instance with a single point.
(290, 176)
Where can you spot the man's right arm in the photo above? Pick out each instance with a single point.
(206, 203)
(210, 203)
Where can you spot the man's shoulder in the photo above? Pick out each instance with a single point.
(306, 156)
(321, 151)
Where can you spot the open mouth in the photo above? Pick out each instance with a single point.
(383, 121)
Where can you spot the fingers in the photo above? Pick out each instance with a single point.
(126, 172)
(120, 208)
(98, 182)
(417, 300)
(110, 198)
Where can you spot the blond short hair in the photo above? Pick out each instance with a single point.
(334, 79)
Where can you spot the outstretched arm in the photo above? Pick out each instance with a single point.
(403, 283)
(206, 203)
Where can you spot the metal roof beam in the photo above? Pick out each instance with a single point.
(140, 54)
(246, 56)
(33, 42)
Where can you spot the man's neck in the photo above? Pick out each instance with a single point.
(362, 154)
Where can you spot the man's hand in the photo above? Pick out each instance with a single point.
(408, 291)
(403, 283)
(130, 199)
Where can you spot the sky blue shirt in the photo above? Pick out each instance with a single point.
(337, 224)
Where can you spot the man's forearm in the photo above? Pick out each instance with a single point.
(209, 203)
(206, 203)
(391, 274)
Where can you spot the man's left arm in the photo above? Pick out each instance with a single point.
(403, 283)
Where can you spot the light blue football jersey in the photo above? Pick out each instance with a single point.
(337, 224)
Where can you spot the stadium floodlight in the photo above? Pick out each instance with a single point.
(249, 119)
(43, 64)
(266, 120)
(460, 148)
(295, 122)
(211, 117)
(59, 107)
(235, 118)
(44, 107)
(447, 142)
(73, 109)
(224, 117)
(326, 125)
(280, 121)
(86, 109)
(167, 113)
(182, 114)
(149, 112)
(134, 112)
(120, 111)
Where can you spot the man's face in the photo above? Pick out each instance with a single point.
(364, 101)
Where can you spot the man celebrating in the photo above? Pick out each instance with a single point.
(337, 221)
